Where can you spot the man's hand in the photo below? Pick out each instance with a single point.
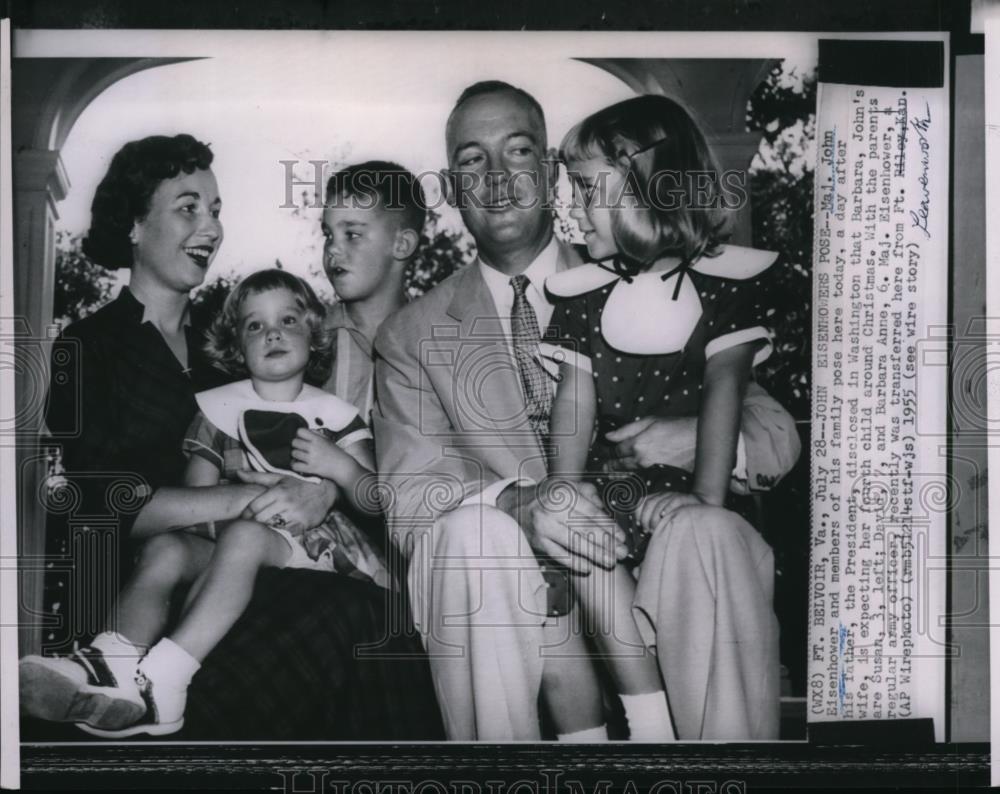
(301, 505)
(567, 518)
(653, 440)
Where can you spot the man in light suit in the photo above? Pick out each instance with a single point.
(458, 456)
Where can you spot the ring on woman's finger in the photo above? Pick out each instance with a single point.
(277, 521)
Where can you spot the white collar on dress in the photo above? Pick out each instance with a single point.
(222, 406)
(642, 314)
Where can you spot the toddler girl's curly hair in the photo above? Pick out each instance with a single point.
(223, 338)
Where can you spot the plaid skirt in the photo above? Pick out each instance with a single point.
(316, 656)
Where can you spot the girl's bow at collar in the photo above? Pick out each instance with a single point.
(626, 269)
(633, 319)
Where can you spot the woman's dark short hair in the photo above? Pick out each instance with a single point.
(222, 343)
(124, 195)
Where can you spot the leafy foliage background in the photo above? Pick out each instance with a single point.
(783, 109)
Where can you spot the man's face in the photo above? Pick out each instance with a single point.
(498, 180)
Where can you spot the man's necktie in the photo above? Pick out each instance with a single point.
(538, 402)
(525, 335)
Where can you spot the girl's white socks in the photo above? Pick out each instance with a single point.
(168, 665)
(648, 717)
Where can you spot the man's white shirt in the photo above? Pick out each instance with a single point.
(544, 265)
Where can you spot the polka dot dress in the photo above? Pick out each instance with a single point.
(630, 387)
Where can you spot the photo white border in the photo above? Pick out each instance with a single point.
(10, 730)
(991, 26)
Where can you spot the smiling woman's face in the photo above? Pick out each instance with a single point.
(180, 235)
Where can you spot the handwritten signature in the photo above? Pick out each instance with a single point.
(918, 217)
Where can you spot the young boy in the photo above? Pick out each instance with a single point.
(372, 220)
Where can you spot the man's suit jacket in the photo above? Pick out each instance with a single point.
(450, 416)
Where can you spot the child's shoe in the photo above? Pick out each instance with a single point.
(87, 687)
(162, 681)
(163, 715)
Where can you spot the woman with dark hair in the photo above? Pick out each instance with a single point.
(127, 377)
(127, 370)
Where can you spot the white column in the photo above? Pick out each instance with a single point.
(734, 151)
(39, 183)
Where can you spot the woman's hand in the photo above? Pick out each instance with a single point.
(313, 453)
(659, 508)
(298, 505)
